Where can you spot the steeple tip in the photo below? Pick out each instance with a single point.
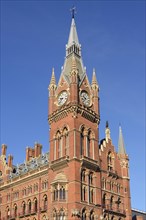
(121, 147)
(53, 80)
(94, 80)
(73, 11)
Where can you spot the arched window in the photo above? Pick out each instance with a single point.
(92, 215)
(61, 215)
(66, 141)
(55, 193)
(55, 214)
(109, 162)
(35, 205)
(104, 201)
(91, 195)
(82, 142)
(15, 210)
(62, 193)
(23, 208)
(83, 214)
(91, 179)
(83, 193)
(45, 199)
(89, 144)
(59, 147)
(29, 206)
(118, 204)
(83, 176)
(8, 212)
(111, 202)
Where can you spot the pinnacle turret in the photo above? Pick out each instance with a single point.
(121, 148)
(94, 84)
(107, 132)
(53, 80)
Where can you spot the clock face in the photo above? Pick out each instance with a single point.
(85, 98)
(62, 98)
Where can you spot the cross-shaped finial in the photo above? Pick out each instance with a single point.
(73, 11)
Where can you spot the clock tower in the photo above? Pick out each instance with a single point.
(86, 179)
(73, 119)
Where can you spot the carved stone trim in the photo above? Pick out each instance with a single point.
(90, 163)
(74, 110)
(59, 163)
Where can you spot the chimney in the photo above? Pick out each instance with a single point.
(29, 153)
(3, 149)
(38, 149)
(10, 161)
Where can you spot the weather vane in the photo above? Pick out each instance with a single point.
(73, 11)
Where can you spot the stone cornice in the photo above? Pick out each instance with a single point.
(74, 109)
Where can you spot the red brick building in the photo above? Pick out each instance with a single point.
(81, 177)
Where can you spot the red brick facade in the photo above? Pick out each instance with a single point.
(81, 177)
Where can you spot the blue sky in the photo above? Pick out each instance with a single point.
(112, 35)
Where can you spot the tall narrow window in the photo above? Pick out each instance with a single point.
(109, 162)
(104, 201)
(35, 205)
(29, 206)
(82, 142)
(66, 141)
(88, 146)
(111, 202)
(83, 214)
(23, 208)
(45, 202)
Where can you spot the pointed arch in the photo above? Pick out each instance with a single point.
(23, 207)
(15, 210)
(83, 214)
(45, 202)
(82, 140)
(59, 144)
(65, 133)
(35, 202)
(29, 206)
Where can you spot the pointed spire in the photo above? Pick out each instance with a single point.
(94, 84)
(121, 148)
(53, 80)
(94, 80)
(107, 132)
(73, 36)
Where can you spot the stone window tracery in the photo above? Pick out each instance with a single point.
(59, 192)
